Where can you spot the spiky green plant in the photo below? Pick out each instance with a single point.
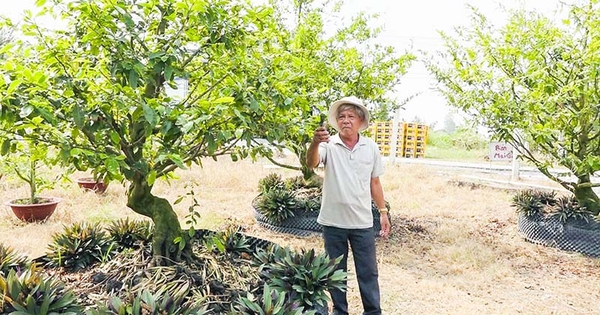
(79, 246)
(308, 200)
(294, 182)
(28, 292)
(270, 182)
(11, 260)
(309, 204)
(529, 203)
(546, 197)
(277, 204)
(306, 276)
(230, 240)
(271, 302)
(145, 303)
(130, 234)
(568, 209)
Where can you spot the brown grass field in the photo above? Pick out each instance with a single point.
(453, 250)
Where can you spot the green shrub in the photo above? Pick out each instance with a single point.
(130, 234)
(277, 204)
(80, 246)
(273, 181)
(568, 209)
(440, 139)
(294, 182)
(305, 275)
(230, 241)
(146, 303)
(11, 260)
(309, 203)
(28, 292)
(530, 202)
(270, 302)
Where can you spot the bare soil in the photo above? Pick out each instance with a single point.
(454, 248)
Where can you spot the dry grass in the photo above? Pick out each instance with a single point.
(454, 250)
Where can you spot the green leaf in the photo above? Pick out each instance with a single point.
(156, 54)
(5, 147)
(78, 116)
(178, 200)
(254, 105)
(13, 86)
(150, 115)
(133, 78)
(224, 100)
(115, 138)
(112, 166)
(75, 152)
(238, 133)
(151, 178)
(168, 73)
(177, 160)
(212, 145)
(26, 110)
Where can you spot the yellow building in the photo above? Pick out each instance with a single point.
(411, 139)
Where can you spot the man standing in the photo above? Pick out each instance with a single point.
(352, 168)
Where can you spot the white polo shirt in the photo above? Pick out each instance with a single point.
(346, 199)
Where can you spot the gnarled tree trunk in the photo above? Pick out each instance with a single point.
(166, 223)
(586, 196)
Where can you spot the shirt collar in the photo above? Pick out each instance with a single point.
(337, 140)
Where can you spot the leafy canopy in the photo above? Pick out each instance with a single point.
(534, 83)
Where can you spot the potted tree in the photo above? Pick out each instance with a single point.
(92, 183)
(27, 159)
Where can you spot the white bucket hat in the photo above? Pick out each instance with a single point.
(352, 100)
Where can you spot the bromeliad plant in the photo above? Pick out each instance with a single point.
(79, 246)
(229, 241)
(305, 275)
(280, 199)
(29, 292)
(536, 204)
(277, 204)
(130, 233)
(567, 209)
(533, 203)
(11, 260)
(146, 303)
(271, 302)
(270, 182)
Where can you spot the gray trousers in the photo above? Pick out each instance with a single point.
(362, 243)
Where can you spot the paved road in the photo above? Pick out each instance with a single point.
(488, 173)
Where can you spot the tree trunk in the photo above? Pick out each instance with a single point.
(166, 223)
(311, 178)
(307, 172)
(586, 196)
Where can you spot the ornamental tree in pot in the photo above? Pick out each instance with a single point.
(26, 160)
(94, 184)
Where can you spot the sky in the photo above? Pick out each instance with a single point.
(417, 24)
(405, 24)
